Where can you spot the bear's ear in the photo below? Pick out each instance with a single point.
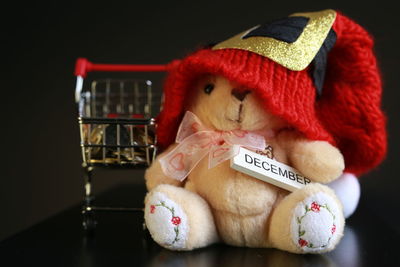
(349, 107)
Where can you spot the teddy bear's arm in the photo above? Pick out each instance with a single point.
(154, 175)
(317, 160)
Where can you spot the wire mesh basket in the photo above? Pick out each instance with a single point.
(116, 125)
(116, 122)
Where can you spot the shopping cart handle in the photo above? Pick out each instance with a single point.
(83, 66)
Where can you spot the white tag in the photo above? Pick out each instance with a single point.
(268, 170)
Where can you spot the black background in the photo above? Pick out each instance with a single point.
(41, 172)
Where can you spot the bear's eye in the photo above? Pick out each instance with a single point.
(208, 88)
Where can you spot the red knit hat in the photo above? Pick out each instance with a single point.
(347, 114)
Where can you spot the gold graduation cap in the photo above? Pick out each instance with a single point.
(294, 56)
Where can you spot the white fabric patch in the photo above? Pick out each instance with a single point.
(166, 221)
(314, 226)
(347, 189)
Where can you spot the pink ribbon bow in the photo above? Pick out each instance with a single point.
(195, 141)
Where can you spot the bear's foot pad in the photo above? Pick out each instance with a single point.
(315, 224)
(166, 221)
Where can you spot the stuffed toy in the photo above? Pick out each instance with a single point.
(304, 91)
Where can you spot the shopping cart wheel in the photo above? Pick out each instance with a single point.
(89, 222)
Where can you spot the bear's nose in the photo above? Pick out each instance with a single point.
(239, 94)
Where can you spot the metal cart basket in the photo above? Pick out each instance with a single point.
(116, 122)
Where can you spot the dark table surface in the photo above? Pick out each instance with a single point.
(119, 240)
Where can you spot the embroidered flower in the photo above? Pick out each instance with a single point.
(176, 220)
(333, 230)
(302, 242)
(152, 209)
(315, 207)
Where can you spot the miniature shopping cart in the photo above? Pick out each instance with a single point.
(116, 122)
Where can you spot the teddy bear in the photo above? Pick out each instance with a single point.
(304, 91)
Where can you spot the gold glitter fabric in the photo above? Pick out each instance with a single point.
(294, 56)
